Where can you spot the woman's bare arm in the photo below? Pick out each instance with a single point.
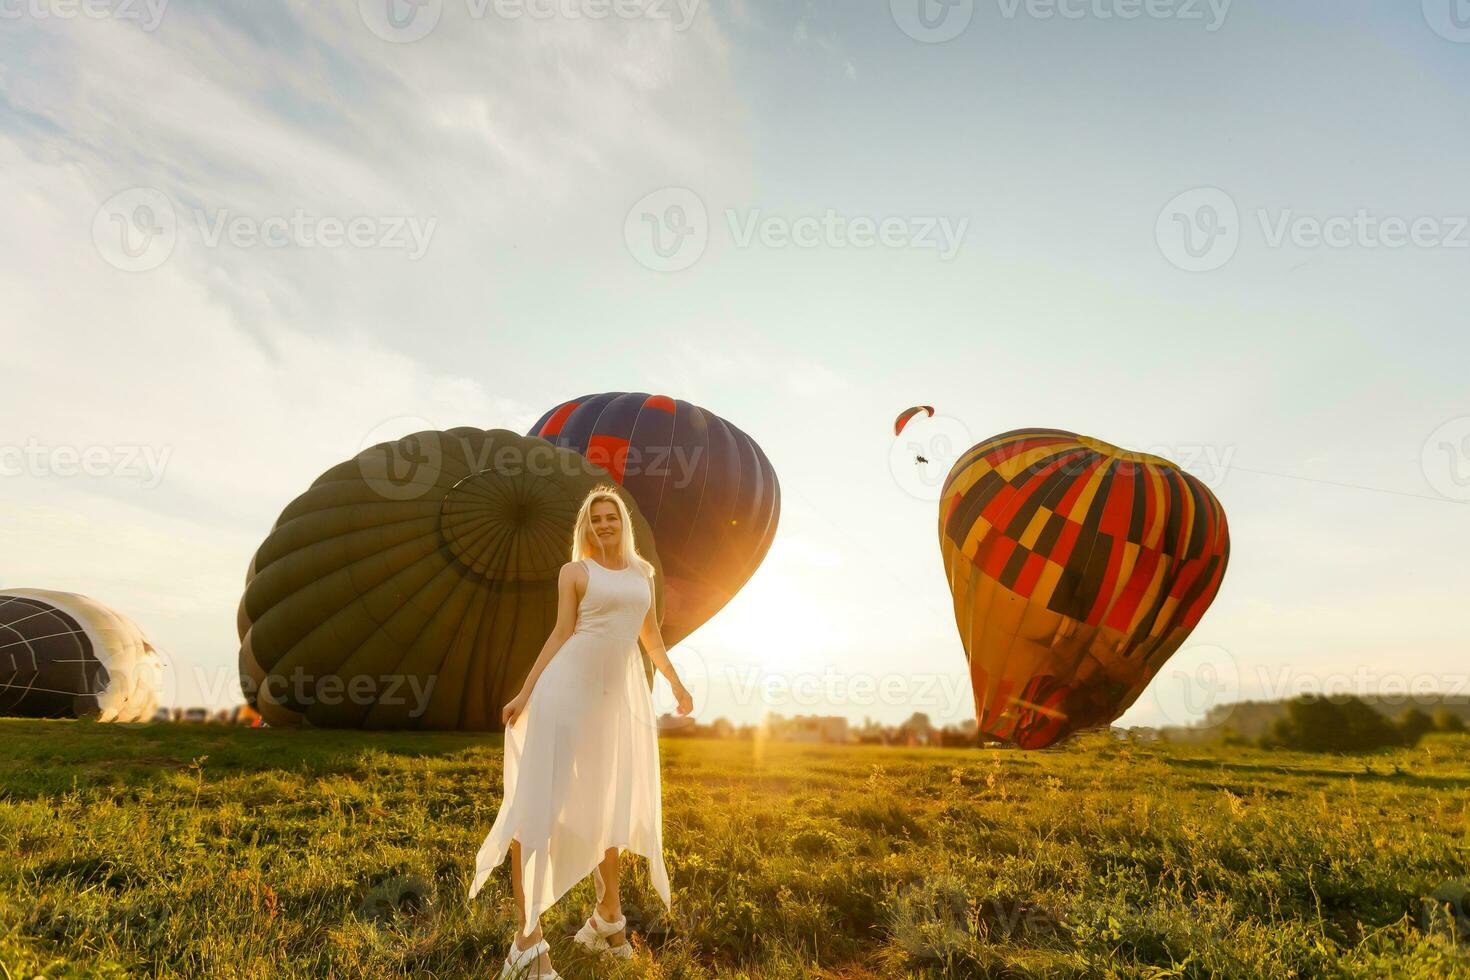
(567, 581)
(653, 642)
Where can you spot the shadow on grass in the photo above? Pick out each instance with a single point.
(1309, 772)
(89, 872)
(47, 758)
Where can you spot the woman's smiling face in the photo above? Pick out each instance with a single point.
(607, 527)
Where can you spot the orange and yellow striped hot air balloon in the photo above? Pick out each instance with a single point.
(1077, 569)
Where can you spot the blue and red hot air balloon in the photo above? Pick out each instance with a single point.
(706, 488)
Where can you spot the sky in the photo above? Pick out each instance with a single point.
(244, 240)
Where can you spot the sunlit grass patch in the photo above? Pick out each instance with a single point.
(193, 851)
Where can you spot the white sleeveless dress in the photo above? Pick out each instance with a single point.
(581, 761)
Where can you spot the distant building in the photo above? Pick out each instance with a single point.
(679, 726)
(951, 736)
(808, 728)
(243, 715)
(917, 730)
(872, 733)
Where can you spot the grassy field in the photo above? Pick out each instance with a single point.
(172, 850)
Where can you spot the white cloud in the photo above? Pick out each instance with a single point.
(515, 135)
(253, 370)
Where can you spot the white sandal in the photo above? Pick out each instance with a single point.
(595, 931)
(521, 963)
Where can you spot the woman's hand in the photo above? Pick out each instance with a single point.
(685, 699)
(513, 709)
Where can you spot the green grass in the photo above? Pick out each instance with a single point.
(170, 850)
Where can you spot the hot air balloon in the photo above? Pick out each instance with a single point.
(414, 585)
(65, 655)
(708, 490)
(1077, 569)
(908, 413)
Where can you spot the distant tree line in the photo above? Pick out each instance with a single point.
(1312, 723)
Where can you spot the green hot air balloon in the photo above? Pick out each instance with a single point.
(414, 585)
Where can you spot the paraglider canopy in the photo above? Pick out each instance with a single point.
(908, 413)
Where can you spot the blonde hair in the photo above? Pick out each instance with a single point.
(584, 547)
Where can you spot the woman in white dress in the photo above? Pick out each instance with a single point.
(581, 745)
